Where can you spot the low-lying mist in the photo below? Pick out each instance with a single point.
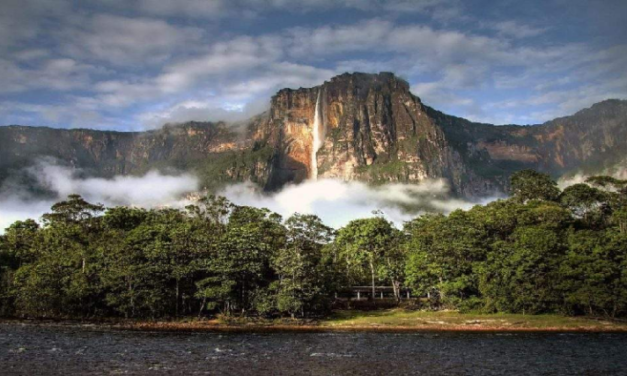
(578, 178)
(153, 189)
(335, 201)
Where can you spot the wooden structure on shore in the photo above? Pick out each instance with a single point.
(381, 292)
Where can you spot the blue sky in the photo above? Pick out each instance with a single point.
(136, 64)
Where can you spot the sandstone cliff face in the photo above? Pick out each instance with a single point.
(370, 128)
(373, 129)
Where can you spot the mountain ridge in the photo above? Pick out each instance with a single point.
(373, 129)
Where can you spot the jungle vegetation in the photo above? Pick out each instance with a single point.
(543, 250)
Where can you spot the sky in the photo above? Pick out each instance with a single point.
(132, 65)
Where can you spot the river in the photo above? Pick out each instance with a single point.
(28, 349)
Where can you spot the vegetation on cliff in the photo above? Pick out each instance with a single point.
(541, 251)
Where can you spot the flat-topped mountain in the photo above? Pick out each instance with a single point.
(366, 127)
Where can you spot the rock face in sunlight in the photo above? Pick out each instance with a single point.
(374, 130)
(370, 128)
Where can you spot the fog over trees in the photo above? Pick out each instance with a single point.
(543, 250)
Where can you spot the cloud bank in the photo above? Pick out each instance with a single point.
(335, 201)
(151, 190)
(617, 172)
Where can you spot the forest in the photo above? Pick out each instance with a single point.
(542, 250)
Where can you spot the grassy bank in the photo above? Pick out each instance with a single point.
(380, 320)
(450, 320)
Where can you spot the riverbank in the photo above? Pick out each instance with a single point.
(388, 320)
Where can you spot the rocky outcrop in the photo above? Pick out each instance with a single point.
(370, 128)
(373, 129)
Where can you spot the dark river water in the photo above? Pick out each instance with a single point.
(71, 350)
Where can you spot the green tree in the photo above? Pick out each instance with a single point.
(74, 210)
(442, 255)
(61, 276)
(593, 278)
(363, 245)
(77, 217)
(585, 202)
(532, 185)
(131, 289)
(20, 241)
(520, 276)
(240, 268)
(301, 286)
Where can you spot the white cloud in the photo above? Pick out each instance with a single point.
(240, 99)
(31, 54)
(328, 40)
(277, 76)
(226, 61)
(150, 190)
(14, 208)
(73, 115)
(437, 93)
(338, 202)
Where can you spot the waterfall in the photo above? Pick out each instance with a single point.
(317, 139)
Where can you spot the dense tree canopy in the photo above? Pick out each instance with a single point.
(532, 185)
(543, 250)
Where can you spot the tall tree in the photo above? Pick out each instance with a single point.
(532, 185)
(364, 243)
(443, 252)
(241, 266)
(299, 265)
